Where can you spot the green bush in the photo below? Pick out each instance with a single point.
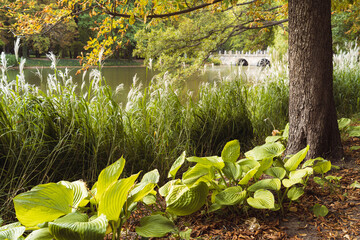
(11, 60)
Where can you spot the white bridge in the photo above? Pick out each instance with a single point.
(259, 58)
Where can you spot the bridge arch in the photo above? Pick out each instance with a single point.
(264, 62)
(242, 62)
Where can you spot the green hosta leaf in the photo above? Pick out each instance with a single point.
(270, 184)
(165, 189)
(108, 176)
(230, 196)
(11, 231)
(214, 207)
(177, 165)
(1, 221)
(70, 228)
(276, 172)
(268, 150)
(40, 234)
(310, 162)
(343, 123)
(155, 226)
(272, 139)
(354, 148)
(185, 234)
(113, 199)
(248, 168)
(198, 173)
(264, 164)
(80, 191)
(355, 185)
(290, 182)
(300, 173)
(142, 193)
(183, 200)
(295, 192)
(231, 151)
(354, 131)
(293, 162)
(232, 170)
(322, 166)
(320, 210)
(149, 199)
(263, 199)
(43, 203)
(147, 184)
(286, 131)
(214, 161)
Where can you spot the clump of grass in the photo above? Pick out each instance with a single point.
(346, 80)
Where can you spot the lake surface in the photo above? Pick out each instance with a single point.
(125, 75)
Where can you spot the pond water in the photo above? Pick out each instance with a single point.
(125, 75)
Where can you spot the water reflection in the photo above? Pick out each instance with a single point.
(125, 75)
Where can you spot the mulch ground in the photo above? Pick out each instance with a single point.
(298, 222)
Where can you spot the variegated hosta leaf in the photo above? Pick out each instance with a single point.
(248, 169)
(270, 184)
(293, 162)
(177, 165)
(322, 166)
(268, 150)
(198, 173)
(295, 192)
(231, 151)
(232, 170)
(183, 200)
(155, 226)
(276, 172)
(290, 182)
(69, 228)
(80, 191)
(43, 203)
(113, 199)
(165, 189)
(231, 196)
(11, 231)
(108, 176)
(263, 199)
(300, 173)
(40, 234)
(213, 161)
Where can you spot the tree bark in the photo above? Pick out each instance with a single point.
(312, 114)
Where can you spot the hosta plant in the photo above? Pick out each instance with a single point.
(70, 211)
(262, 180)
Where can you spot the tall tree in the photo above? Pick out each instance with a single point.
(312, 113)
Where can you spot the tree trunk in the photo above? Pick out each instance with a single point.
(312, 114)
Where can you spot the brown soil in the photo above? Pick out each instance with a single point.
(298, 222)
